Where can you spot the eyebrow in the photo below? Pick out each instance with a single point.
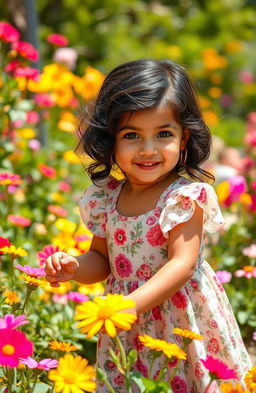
(130, 127)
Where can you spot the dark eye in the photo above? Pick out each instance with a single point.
(130, 135)
(164, 134)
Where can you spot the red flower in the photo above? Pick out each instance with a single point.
(179, 300)
(156, 313)
(213, 346)
(155, 236)
(120, 236)
(26, 50)
(4, 242)
(179, 385)
(123, 266)
(119, 379)
(8, 33)
(218, 369)
(57, 39)
(47, 171)
(141, 367)
(144, 272)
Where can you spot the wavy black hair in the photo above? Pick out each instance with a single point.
(138, 85)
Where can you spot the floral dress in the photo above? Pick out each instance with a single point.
(137, 250)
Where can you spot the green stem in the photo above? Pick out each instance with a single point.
(109, 386)
(12, 271)
(122, 352)
(29, 290)
(151, 367)
(207, 387)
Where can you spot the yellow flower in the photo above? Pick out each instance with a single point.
(222, 191)
(215, 92)
(187, 334)
(65, 225)
(62, 346)
(105, 312)
(26, 133)
(14, 251)
(67, 122)
(32, 281)
(169, 349)
(227, 387)
(211, 118)
(11, 297)
(245, 199)
(250, 379)
(71, 157)
(96, 289)
(204, 102)
(73, 375)
(61, 290)
(64, 241)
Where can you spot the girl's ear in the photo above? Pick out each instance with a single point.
(184, 138)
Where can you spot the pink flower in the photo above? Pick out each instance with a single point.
(120, 236)
(224, 276)
(66, 56)
(186, 203)
(44, 364)
(77, 297)
(61, 299)
(27, 72)
(203, 196)
(250, 251)
(32, 117)
(218, 369)
(155, 236)
(14, 345)
(57, 39)
(254, 335)
(246, 77)
(179, 385)
(12, 66)
(34, 144)
(32, 271)
(144, 272)
(247, 271)
(9, 321)
(57, 210)
(25, 49)
(151, 220)
(179, 300)
(64, 186)
(44, 100)
(8, 33)
(237, 186)
(112, 184)
(46, 252)
(19, 220)
(47, 171)
(10, 179)
(123, 266)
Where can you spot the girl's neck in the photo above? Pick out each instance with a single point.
(136, 188)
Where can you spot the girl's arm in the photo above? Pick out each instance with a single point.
(183, 248)
(94, 264)
(88, 268)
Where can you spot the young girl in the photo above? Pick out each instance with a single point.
(148, 228)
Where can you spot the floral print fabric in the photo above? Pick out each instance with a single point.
(137, 250)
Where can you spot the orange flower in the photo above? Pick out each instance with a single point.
(47, 171)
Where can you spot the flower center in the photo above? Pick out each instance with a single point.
(248, 269)
(8, 349)
(105, 312)
(69, 379)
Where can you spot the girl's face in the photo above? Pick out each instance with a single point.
(148, 144)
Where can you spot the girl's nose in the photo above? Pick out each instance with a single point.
(148, 148)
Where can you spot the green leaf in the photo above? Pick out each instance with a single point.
(146, 385)
(41, 388)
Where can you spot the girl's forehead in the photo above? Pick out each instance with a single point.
(163, 115)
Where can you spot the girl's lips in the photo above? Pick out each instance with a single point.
(147, 165)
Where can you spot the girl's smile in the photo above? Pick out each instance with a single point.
(148, 144)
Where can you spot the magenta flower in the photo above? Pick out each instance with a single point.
(8, 33)
(57, 39)
(238, 186)
(27, 72)
(77, 297)
(44, 100)
(8, 179)
(224, 276)
(26, 50)
(218, 369)
(44, 364)
(14, 345)
(9, 321)
(32, 271)
(254, 335)
(46, 252)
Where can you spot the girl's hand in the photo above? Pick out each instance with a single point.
(60, 267)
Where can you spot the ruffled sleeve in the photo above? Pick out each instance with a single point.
(180, 207)
(92, 207)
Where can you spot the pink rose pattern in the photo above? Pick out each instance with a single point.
(137, 250)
